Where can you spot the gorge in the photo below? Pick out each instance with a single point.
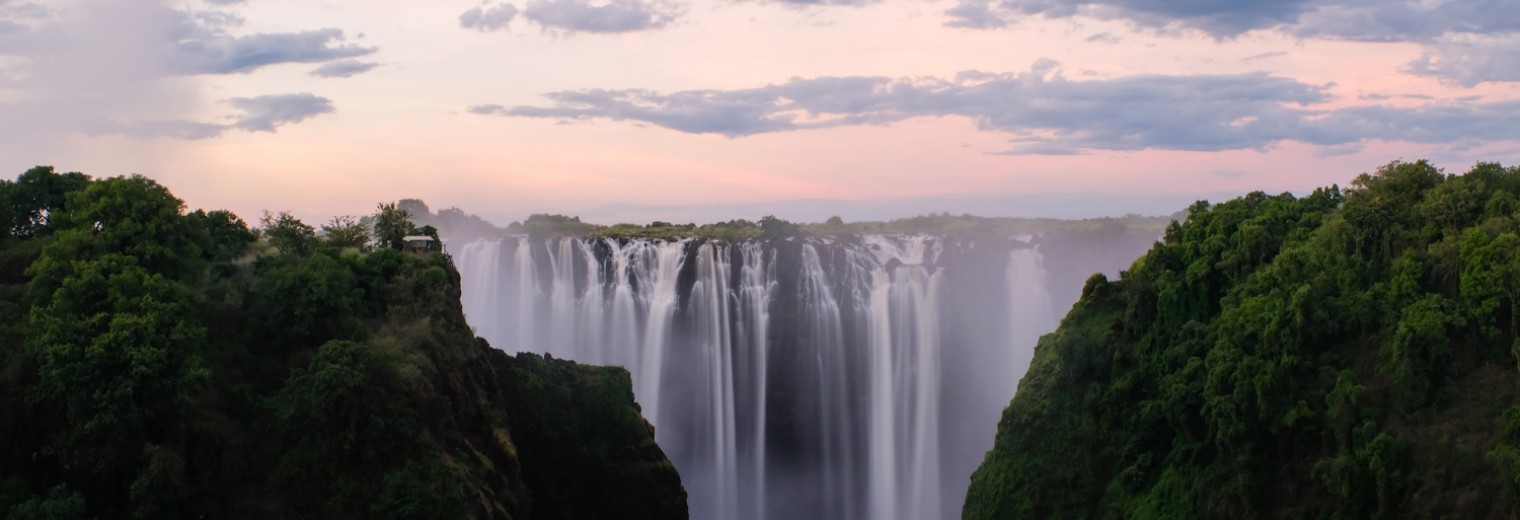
(849, 376)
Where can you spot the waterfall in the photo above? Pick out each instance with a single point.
(1031, 312)
(756, 291)
(816, 378)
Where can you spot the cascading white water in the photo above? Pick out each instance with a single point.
(905, 354)
(824, 330)
(661, 318)
(710, 303)
(798, 379)
(757, 287)
(1032, 312)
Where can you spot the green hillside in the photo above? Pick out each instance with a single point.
(1348, 354)
(162, 364)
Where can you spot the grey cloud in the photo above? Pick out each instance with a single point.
(259, 114)
(343, 69)
(1363, 20)
(488, 18)
(1263, 56)
(121, 73)
(175, 41)
(28, 10)
(488, 110)
(1438, 123)
(19, 18)
(200, 50)
(618, 16)
(265, 113)
(1338, 150)
(974, 14)
(226, 2)
(217, 18)
(1104, 37)
(802, 3)
(112, 71)
(1408, 20)
(1218, 17)
(1043, 112)
(1468, 61)
(1466, 41)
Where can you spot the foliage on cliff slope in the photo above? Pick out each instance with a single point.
(1348, 354)
(159, 364)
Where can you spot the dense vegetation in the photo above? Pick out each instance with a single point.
(469, 227)
(1348, 354)
(162, 364)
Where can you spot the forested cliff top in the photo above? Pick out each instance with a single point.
(1347, 354)
(162, 364)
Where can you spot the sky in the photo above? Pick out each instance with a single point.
(704, 110)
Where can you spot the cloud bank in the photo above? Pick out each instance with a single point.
(343, 69)
(575, 16)
(1043, 112)
(265, 113)
(616, 16)
(257, 114)
(100, 67)
(1467, 42)
(203, 49)
(488, 18)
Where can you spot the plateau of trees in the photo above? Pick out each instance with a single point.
(158, 363)
(770, 227)
(1351, 353)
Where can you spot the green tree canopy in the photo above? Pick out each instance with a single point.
(35, 196)
(226, 235)
(346, 231)
(392, 225)
(1338, 355)
(116, 348)
(288, 234)
(130, 216)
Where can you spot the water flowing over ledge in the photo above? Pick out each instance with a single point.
(810, 378)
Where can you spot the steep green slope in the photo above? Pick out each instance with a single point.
(158, 364)
(1343, 355)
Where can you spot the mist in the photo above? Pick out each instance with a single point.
(805, 378)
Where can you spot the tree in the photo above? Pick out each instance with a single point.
(36, 196)
(553, 224)
(131, 216)
(392, 225)
(772, 228)
(226, 235)
(346, 231)
(9, 217)
(303, 302)
(116, 352)
(344, 416)
(288, 234)
(60, 504)
(432, 232)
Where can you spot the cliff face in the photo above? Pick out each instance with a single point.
(1343, 355)
(538, 438)
(584, 449)
(158, 364)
